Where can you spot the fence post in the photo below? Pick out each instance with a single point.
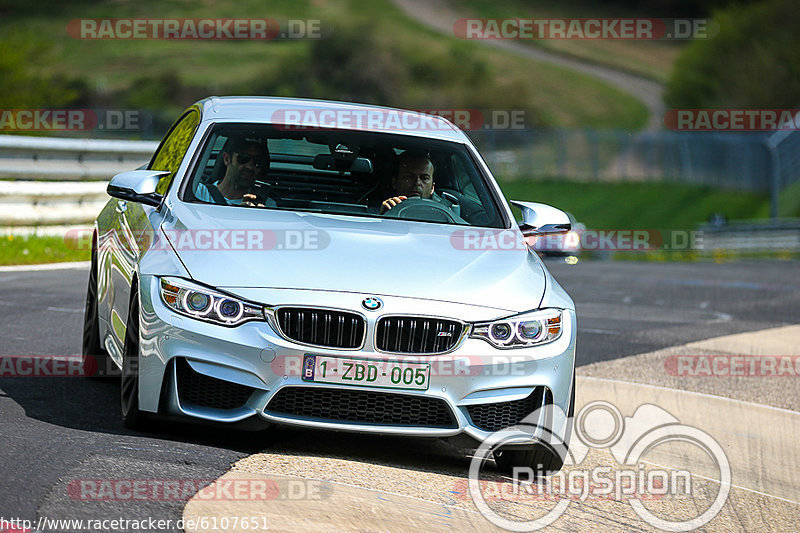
(594, 156)
(772, 142)
(685, 158)
(775, 175)
(561, 153)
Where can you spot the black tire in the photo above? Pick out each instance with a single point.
(95, 361)
(132, 417)
(541, 458)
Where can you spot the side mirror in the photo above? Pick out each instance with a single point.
(542, 219)
(137, 186)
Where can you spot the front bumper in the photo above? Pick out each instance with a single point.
(234, 373)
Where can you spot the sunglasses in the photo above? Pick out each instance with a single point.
(258, 161)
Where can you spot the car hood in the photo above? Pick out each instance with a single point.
(234, 247)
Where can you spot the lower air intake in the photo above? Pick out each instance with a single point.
(204, 391)
(364, 407)
(501, 415)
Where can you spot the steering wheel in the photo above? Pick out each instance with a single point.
(425, 209)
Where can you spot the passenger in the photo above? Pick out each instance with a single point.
(245, 160)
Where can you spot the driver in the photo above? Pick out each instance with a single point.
(414, 177)
(245, 159)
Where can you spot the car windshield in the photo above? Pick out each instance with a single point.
(342, 172)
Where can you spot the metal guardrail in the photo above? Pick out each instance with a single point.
(753, 235)
(35, 203)
(48, 158)
(65, 196)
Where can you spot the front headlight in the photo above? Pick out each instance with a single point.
(202, 303)
(520, 331)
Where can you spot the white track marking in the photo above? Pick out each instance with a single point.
(48, 266)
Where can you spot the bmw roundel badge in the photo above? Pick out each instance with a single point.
(372, 303)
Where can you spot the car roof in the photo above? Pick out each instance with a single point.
(269, 110)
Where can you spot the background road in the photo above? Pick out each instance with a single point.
(56, 430)
(439, 15)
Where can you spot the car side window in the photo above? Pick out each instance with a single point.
(173, 148)
(465, 184)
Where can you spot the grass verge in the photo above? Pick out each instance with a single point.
(717, 256)
(663, 206)
(31, 250)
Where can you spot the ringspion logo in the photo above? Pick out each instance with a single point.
(631, 441)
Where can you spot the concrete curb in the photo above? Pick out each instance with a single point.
(758, 441)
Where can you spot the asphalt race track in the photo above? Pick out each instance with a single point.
(54, 431)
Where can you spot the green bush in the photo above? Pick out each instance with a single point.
(361, 62)
(23, 86)
(754, 61)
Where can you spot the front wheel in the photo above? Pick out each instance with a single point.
(542, 459)
(95, 360)
(132, 417)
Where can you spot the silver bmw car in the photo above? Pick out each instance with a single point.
(332, 266)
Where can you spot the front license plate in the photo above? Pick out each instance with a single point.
(366, 373)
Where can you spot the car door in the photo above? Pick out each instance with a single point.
(133, 229)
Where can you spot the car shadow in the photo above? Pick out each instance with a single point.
(91, 404)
